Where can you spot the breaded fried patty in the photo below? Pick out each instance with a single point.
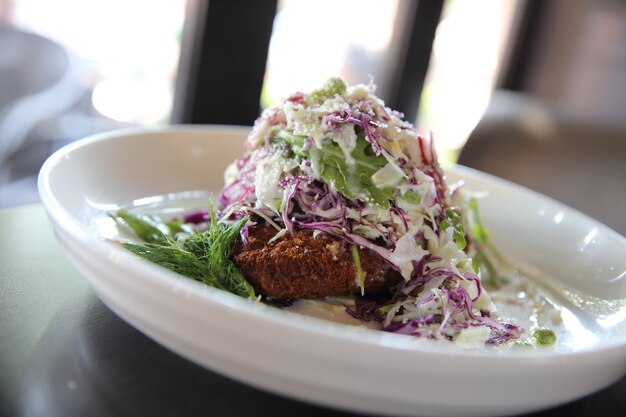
(303, 266)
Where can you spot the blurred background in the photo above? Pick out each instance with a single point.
(531, 91)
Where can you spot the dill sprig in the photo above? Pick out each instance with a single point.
(201, 256)
(176, 259)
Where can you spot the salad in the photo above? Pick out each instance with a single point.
(338, 195)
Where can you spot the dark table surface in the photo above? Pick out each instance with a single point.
(64, 353)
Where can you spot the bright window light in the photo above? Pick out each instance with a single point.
(467, 50)
(131, 46)
(312, 41)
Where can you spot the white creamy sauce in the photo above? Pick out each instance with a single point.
(525, 303)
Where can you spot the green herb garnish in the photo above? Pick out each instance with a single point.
(203, 257)
(176, 259)
(147, 227)
(544, 337)
(486, 252)
(332, 87)
(541, 337)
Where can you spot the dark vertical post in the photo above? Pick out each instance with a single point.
(414, 56)
(525, 46)
(223, 61)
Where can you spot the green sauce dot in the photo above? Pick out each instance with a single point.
(544, 337)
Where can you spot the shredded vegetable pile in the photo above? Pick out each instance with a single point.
(336, 162)
(340, 163)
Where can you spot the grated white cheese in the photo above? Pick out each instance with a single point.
(266, 182)
(473, 337)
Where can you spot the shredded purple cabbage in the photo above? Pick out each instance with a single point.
(197, 217)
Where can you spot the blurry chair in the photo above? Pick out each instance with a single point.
(579, 164)
(39, 81)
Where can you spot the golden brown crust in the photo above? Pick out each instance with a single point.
(302, 266)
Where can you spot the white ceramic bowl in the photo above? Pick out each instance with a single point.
(316, 360)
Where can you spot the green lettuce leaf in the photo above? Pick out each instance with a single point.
(353, 181)
(453, 218)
